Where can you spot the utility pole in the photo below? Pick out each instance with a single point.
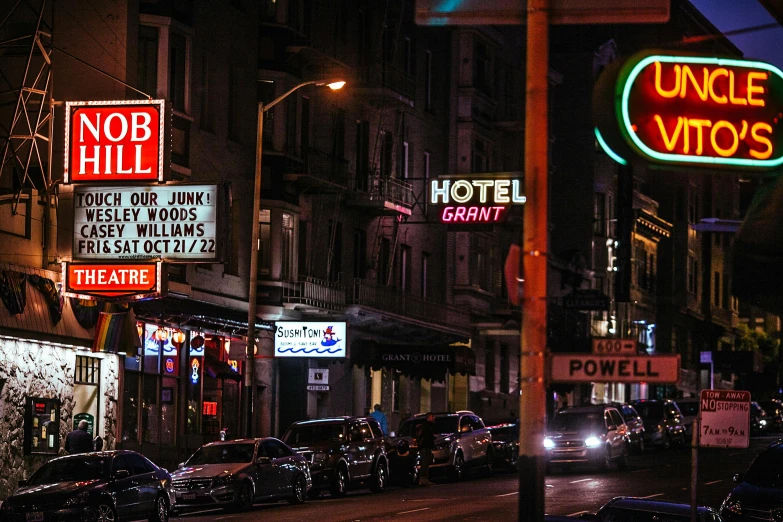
(535, 249)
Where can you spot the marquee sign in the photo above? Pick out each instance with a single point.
(168, 222)
(692, 110)
(476, 198)
(111, 141)
(295, 339)
(128, 281)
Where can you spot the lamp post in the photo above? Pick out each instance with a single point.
(252, 289)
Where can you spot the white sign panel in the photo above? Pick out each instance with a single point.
(725, 419)
(318, 376)
(306, 339)
(168, 222)
(607, 346)
(578, 367)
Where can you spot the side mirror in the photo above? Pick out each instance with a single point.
(121, 474)
(180, 465)
(262, 461)
(737, 478)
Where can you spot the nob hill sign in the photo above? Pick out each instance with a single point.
(114, 141)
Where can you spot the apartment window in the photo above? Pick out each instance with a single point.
(264, 241)
(599, 214)
(386, 154)
(177, 69)
(428, 81)
(88, 370)
(407, 56)
(716, 295)
(383, 262)
(425, 267)
(505, 368)
(336, 250)
(404, 160)
(180, 141)
(147, 72)
(489, 365)
(479, 156)
(405, 268)
(362, 154)
(234, 107)
(359, 254)
(693, 276)
(287, 247)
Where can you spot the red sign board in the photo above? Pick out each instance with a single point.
(694, 110)
(113, 141)
(209, 408)
(116, 280)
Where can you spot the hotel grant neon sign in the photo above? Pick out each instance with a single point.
(696, 110)
(476, 198)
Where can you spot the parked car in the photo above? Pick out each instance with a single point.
(622, 509)
(758, 494)
(105, 486)
(774, 410)
(343, 452)
(635, 426)
(690, 410)
(758, 419)
(593, 435)
(462, 442)
(505, 444)
(663, 422)
(237, 473)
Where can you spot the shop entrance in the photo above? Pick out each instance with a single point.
(86, 393)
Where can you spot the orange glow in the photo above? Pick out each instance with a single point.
(702, 92)
(669, 142)
(761, 139)
(721, 151)
(670, 93)
(753, 89)
(720, 71)
(698, 124)
(732, 99)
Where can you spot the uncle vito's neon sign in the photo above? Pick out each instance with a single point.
(694, 110)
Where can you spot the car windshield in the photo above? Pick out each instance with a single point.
(689, 408)
(575, 421)
(649, 410)
(631, 515)
(504, 434)
(222, 454)
(70, 470)
(766, 470)
(307, 434)
(442, 425)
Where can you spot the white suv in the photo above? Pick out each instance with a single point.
(462, 442)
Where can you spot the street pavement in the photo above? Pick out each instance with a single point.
(656, 474)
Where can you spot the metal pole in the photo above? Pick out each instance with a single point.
(532, 386)
(695, 468)
(253, 277)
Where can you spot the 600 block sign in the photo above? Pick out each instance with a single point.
(168, 222)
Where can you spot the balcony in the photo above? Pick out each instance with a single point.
(384, 83)
(381, 195)
(315, 295)
(392, 301)
(319, 170)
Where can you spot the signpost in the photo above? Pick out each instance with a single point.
(608, 346)
(582, 368)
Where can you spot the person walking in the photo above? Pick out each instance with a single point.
(79, 440)
(379, 416)
(425, 440)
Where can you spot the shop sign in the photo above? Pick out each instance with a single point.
(110, 141)
(475, 198)
(694, 110)
(581, 368)
(167, 222)
(587, 300)
(85, 417)
(725, 419)
(307, 339)
(128, 281)
(209, 409)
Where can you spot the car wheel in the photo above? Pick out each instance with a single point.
(379, 478)
(640, 446)
(102, 512)
(161, 510)
(459, 467)
(298, 490)
(245, 497)
(340, 483)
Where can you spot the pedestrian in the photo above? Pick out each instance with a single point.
(79, 440)
(379, 416)
(425, 440)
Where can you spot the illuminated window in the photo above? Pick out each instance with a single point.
(88, 370)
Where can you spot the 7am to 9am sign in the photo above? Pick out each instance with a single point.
(112, 280)
(725, 419)
(111, 141)
(168, 222)
(693, 110)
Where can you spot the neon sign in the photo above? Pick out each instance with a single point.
(194, 374)
(696, 110)
(126, 281)
(477, 198)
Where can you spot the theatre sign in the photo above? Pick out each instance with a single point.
(113, 281)
(476, 198)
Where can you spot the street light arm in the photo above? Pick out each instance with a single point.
(283, 96)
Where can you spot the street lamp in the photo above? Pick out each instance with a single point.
(334, 85)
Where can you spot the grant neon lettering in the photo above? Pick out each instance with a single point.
(472, 214)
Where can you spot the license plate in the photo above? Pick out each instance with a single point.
(186, 496)
(35, 516)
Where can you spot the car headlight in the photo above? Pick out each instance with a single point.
(549, 443)
(78, 500)
(222, 481)
(763, 422)
(732, 506)
(592, 442)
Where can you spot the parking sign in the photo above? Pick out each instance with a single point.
(725, 419)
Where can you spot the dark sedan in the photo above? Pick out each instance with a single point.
(100, 487)
(759, 493)
(237, 473)
(505, 442)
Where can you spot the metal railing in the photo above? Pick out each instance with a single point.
(315, 293)
(387, 188)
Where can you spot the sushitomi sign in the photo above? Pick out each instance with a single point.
(167, 222)
(679, 109)
(305, 339)
(111, 141)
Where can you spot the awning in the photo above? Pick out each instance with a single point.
(425, 361)
(196, 314)
(217, 369)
